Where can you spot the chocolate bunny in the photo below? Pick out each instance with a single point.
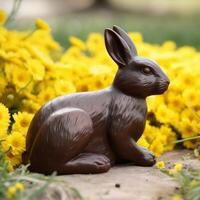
(89, 132)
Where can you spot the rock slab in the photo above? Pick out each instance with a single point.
(131, 182)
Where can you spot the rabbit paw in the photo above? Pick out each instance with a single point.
(93, 163)
(100, 161)
(148, 159)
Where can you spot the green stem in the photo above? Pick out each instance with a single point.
(183, 140)
(27, 178)
(15, 8)
(29, 34)
(23, 88)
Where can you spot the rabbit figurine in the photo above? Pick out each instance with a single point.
(89, 132)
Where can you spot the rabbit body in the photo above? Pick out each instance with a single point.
(91, 131)
(112, 113)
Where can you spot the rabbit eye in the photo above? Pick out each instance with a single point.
(146, 70)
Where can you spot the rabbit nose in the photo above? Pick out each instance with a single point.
(167, 81)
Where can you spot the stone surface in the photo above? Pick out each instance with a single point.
(130, 182)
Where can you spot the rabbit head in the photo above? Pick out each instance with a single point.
(136, 76)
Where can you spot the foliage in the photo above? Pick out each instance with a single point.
(189, 181)
(184, 30)
(187, 177)
(22, 185)
(15, 8)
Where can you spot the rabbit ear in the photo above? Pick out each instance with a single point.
(128, 40)
(117, 48)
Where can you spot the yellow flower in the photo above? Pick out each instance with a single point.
(46, 95)
(4, 119)
(64, 87)
(11, 191)
(178, 167)
(189, 144)
(21, 77)
(3, 17)
(22, 121)
(194, 183)
(36, 69)
(3, 84)
(176, 102)
(157, 147)
(136, 37)
(170, 138)
(15, 141)
(160, 165)
(19, 186)
(77, 42)
(94, 41)
(143, 142)
(3, 135)
(10, 167)
(187, 128)
(169, 45)
(186, 78)
(13, 160)
(41, 24)
(190, 95)
(30, 106)
(8, 68)
(177, 197)
(166, 115)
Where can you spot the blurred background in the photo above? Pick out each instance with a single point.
(157, 20)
